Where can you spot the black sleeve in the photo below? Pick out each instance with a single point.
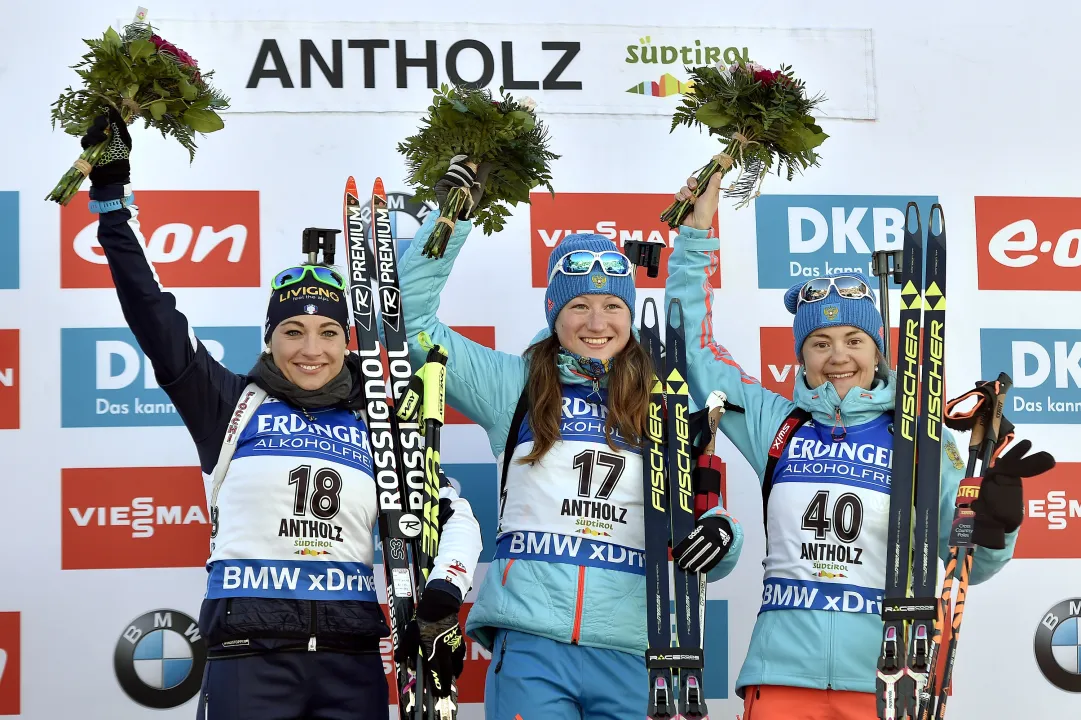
(203, 391)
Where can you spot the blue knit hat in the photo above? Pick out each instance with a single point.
(834, 310)
(563, 288)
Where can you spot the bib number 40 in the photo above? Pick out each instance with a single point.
(845, 519)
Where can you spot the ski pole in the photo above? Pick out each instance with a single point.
(983, 441)
(425, 397)
(881, 268)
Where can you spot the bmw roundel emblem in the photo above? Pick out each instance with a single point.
(159, 659)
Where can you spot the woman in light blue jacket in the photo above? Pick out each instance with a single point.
(567, 629)
(815, 644)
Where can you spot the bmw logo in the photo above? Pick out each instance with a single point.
(159, 659)
(1058, 646)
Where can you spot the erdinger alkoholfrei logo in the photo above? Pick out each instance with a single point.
(1058, 646)
(159, 659)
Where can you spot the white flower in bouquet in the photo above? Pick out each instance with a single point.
(528, 103)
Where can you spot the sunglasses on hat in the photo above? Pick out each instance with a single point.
(848, 287)
(580, 262)
(297, 273)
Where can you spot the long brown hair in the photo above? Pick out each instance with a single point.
(628, 395)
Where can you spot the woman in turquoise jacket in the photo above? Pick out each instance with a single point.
(815, 644)
(567, 629)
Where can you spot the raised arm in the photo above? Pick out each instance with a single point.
(482, 383)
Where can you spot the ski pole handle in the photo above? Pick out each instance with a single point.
(1002, 387)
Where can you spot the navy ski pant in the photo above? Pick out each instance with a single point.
(295, 686)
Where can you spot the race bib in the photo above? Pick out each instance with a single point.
(827, 521)
(582, 488)
(296, 509)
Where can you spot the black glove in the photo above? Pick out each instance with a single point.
(461, 175)
(435, 630)
(1000, 505)
(706, 546)
(113, 167)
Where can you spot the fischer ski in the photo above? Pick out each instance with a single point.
(670, 513)
(690, 591)
(661, 703)
(399, 506)
(911, 609)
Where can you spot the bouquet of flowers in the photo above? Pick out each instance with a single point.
(140, 75)
(762, 116)
(503, 133)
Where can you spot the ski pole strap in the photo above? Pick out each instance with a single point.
(966, 420)
(708, 475)
(1006, 436)
(512, 440)
(791, 424)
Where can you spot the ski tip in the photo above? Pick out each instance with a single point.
(351, 186)
(378, 191)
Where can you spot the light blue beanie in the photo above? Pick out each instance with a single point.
(564, 288)
(834, 310)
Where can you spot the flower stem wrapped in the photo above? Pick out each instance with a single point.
(763, 117)
(503, 133)
(140, 75)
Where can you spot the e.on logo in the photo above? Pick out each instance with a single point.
(132, 518)
(10, 675)
(1052, 524)
(9, 379)
(779, 358)
(620, 217)
(1028, 243)
(194, 238)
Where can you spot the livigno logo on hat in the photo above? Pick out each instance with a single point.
(807, 236)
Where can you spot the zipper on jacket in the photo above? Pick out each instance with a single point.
(576, 633)
(829, 651)
(502, 652)
(311, 640)
(838, 423)
(507, 570)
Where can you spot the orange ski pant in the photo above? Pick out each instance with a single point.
(775, 702)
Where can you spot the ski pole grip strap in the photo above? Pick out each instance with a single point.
(409, 403)
(691, 658)
(910, 609)
(435, 387)
(966, 420)
(707, 484)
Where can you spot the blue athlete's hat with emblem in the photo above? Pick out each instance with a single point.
(603, 275)
(836, 299)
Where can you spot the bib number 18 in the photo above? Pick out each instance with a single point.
(325, 501)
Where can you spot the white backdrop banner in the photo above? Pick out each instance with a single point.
(388, 67)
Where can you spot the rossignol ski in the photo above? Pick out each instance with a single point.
(669, 517)
(906, 660)
(399, 508)
(417, 454)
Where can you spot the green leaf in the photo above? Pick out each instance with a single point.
(112, 39)
(204, 121)
(713, 115)
(187, 90)
(157, 109)
(140, 49)
(131, 91)
(160, 90)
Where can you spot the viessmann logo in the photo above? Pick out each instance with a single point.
(1028, 243)
(1052, 524)
(194, 238)
(148, 517)
(620, 217)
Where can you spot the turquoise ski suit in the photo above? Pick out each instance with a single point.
(588, 606)
(804, 646)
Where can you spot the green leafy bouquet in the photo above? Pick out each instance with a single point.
(762, 116)
(505, 134)
(140, 75)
